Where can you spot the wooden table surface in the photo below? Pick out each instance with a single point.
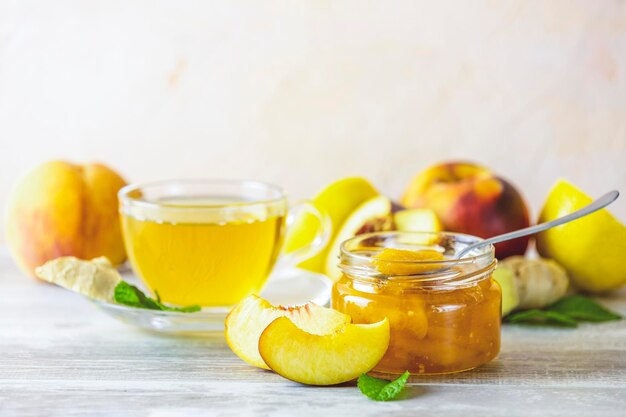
(61, 356)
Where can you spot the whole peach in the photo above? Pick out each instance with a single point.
(61, 209)
(469, 198)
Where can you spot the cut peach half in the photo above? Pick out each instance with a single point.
(245, 323)
(417, 220)
(330, 359)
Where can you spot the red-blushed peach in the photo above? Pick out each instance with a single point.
(469, 198)
(63, 209)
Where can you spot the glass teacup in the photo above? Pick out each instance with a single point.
(209, 242)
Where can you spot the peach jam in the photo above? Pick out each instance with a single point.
(444, 312)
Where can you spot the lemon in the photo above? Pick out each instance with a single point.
(591, 249)
(374, 215)
(338, 200)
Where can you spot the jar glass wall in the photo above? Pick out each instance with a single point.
(444, 315)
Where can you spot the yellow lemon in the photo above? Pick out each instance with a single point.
(338, 200)
(591, 249)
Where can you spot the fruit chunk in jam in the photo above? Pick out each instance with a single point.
(434, 329)
(391, 261)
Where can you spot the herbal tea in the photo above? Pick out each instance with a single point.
(193, 257)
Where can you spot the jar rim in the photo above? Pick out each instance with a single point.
(452, 272)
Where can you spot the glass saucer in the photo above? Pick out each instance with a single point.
(285, 287)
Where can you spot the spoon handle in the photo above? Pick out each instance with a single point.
(596, 205)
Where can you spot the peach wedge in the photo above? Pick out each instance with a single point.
(245, 323)
(329, 359)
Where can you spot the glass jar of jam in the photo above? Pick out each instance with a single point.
(444, 312)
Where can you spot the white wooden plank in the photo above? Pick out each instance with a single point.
(60, 355)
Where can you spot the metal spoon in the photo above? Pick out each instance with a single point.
(596, 205)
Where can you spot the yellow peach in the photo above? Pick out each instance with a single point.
(63, 209)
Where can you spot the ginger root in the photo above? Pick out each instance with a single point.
(540, 282)
(95, 279)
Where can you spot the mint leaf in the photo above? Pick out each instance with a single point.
(371, 386)
(536, 316)
(392, 389)
(132, 296)
(566, 312)
(381, 389)
(583, 308)
(185, 309)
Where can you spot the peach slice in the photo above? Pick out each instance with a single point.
(330, 359)
(245, 323)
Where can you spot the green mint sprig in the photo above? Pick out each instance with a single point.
(566, 312)
(132, 296)
(381, 389)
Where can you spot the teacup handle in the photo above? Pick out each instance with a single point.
(304, 212)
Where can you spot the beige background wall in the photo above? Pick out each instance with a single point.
(302, 92)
